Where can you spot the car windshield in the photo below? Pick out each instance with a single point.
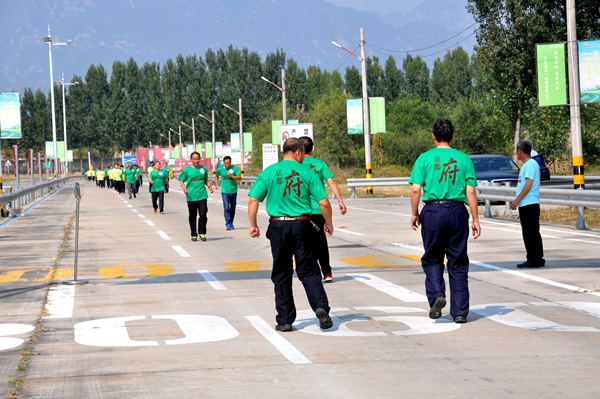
(494, 164)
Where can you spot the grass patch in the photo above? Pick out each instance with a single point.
(568, 216)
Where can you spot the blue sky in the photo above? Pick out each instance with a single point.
(381, 7)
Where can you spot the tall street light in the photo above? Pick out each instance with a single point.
(193, 127)
(282, 90)
(63, 84)
(241, 132)
(48, 40)
(212, 122)
(365, 101)
(162, 135)
(171, 130)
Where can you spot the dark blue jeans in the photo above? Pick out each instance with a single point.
(445, 231)
(229, 203)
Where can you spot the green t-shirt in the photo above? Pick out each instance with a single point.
(444, 174)
(129, 175)
(288, 187)
(167, 172)
(228, 185)
(138, 173)
(158, 181)
(323, 172)
(195, 182)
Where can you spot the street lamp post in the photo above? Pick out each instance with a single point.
(171, 130)
(241, 132)
(48, 40)
(282, 90)
(212, 122)
(162, 135)
(193, 127)
(365, 101)
(63, 84)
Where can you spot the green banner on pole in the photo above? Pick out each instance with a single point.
(60, 148)
(209, 149)
(551, 74)
(247, 142)
(377, 114)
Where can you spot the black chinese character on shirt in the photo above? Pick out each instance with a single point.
(449, 171)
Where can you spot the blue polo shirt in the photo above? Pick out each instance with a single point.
(530, 170)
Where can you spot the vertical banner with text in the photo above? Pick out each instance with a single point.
(10, 116)
(551, 74)
(377, 114)
(589, 70)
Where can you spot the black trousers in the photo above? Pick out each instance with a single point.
(445, 231)
(321, 244)
(529, 215)
(294, 239)
(196, 208)
(160, 198)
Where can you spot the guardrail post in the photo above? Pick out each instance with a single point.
(487, 212)
(353, 193)
(507, 210)
(580, 224)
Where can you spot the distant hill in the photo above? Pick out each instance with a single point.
(156, 30)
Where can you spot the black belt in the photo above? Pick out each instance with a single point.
(303, 217)
(443, 202)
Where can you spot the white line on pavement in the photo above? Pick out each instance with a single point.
(281, 344)
(163, 235)
(142, 216)
(389, 288)
(150, 223)
(61, 299)
(130, 206)
(212, 280)
(135, 210)
(181, 251)
(376, 211)
(348, 232)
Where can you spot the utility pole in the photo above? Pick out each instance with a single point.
(366, 120)
(283, 100)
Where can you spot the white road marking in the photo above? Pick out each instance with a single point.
(135, 210)
(181, 251)
(130, 206)
(212, 280)
(281, 344)
(142, 216)
(61, 299)
(125, 202)
(389, 288)
(149, 222)
(348, 232)
(376, 211)
(164, 235)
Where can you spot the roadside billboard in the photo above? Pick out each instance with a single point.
(551, 74)
(589, 70)
(10, 116)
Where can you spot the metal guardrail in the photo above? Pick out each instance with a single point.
(15, 201)
(379, 182)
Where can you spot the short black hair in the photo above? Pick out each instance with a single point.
(308, 144)
(525, 146)
(292, 144)
(196, 153)
(226, 157)
(443, 131)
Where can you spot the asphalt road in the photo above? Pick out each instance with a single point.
(165, 317)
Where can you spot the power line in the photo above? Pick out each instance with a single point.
(292, 83)
(424, 48)
(423, 56)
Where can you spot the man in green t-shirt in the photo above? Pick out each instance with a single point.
(167, 170)
(288, 187)
(447, 177)
(325, 175)
(229, 175)
(130, 178)
(194, 183)
(157, 179)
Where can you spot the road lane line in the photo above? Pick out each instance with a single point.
(142, 216)
(60, 302)
(134, 210)
(389, 288)
(212, 280)
(149, 222)
(376, 211)
(129, 206)
(281, 344)
(348, 232)
(164, 235)
(181, 251)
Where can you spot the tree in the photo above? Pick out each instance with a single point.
(451, 78)
(416, 74)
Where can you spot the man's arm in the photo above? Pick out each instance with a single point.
(472, 198)
(326, 211)
(415, 196)
(217, 181)
(524, 192)
(183, 187)
(336, 191)
(253, 204)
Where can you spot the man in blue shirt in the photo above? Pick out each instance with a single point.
(528, 202)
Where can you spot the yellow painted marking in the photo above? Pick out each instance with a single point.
(248, 266)
(61, 274)
(372, 261)
(154, 270)
(415, 258)
(578, 160)
(13, 275)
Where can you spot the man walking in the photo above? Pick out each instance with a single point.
(324, 174)
(230, 175)
(528, 202)
(288, 187)
(194, 183)
(447, 177)
(157, 180)
(129, 176)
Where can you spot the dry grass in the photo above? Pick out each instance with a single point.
(568, 216)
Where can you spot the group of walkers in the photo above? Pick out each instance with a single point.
(300, 216)
(117, 177)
